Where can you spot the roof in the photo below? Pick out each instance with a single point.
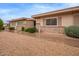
(57, 12)
(22, 19)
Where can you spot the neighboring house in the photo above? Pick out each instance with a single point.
(22, 22)
(55, 21)
(5, 25)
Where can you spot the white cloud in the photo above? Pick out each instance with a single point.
(6, 14)
(8, 10)
(42, 8)
(39, 8)
(71, 4)
(34, 9)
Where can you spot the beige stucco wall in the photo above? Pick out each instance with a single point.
(29, 24)
(63, 20)
(12, 24)
(40, 21)
(26, 24)
(76, 19)
(67, 20)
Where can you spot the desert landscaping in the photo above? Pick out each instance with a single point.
(54, 33)
(16, 44)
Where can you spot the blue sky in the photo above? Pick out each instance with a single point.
(9, 11)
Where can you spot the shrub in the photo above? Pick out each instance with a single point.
(1, 24)
(31, 30)
(3, 28)
(22, 29)
(72, 31)
(11, 28)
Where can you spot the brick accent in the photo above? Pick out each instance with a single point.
(57, 29)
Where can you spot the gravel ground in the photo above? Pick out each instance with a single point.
(14, 44)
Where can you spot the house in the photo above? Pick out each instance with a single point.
(55, 21)
(5, 25)
(22, 22)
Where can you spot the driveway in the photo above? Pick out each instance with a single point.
(19, 44)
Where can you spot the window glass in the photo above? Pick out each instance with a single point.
(52, 21)
(19, 22)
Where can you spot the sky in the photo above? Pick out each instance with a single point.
(9, 11)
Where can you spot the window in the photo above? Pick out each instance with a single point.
(19, 22)
(52, 21)
(13, 24)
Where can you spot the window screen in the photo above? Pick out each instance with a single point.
(52, 21)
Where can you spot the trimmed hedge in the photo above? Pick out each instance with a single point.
(31, 30)
(72, 31)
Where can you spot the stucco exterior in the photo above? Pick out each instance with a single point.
(65, 18)
(18, 24)
(76, 19)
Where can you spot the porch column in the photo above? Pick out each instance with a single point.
(59, 23)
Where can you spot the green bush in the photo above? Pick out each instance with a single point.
(1, 24)
(31, 30)
(22, 29)
(72, 31)
(11, 28)
(3, 28)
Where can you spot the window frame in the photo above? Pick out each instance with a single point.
(52, 24)
(20, 23)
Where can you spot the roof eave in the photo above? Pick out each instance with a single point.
(57, 12)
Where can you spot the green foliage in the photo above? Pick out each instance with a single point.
(31, 30)
(3, 28)
(1, 24)
(22, 29)
(72, 31)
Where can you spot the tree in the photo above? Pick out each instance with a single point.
(1, 24)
